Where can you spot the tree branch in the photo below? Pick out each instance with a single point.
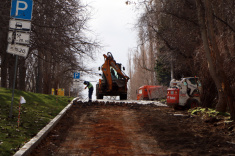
(221, 20)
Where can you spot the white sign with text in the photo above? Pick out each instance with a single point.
(18, 49)
(20, 37)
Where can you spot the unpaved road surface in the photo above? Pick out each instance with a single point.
(131, 129)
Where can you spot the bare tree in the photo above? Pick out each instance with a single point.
(192, 41)
(58, 42)
(4, 22)
(214, 59)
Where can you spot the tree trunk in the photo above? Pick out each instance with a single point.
(152, 57)
(218, 77)
(22, 74)
(11, 69)
(47, 74)
(39, 74)
(226, 90)
(4, 56)
(4, 65)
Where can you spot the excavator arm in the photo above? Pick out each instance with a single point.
(107, 70)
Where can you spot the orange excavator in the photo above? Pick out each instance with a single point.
(114, 80)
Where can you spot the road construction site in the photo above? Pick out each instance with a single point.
(130, 128)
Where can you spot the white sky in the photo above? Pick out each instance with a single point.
(112, 23)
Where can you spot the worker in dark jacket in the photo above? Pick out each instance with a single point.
(90, 89)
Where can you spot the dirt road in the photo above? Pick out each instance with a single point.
(130, 129)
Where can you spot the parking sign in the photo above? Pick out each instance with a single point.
(22, 9)
(76, 75)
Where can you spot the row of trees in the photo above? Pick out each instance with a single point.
(58, 44)
(192, 37)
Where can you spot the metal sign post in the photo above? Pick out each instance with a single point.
(13, 88)
(76, 81)
(19, 34)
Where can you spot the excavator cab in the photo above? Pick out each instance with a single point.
(114, 80)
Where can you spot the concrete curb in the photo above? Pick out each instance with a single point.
(29, 146)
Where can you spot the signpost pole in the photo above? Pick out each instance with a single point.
(13, 87)
(21, 15)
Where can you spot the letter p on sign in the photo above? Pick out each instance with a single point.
(21, 9)
(76, 75)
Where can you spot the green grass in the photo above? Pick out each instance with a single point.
(209, 113)
(35, 114)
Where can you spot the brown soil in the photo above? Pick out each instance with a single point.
(131, 129)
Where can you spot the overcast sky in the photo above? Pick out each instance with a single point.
(113, 23)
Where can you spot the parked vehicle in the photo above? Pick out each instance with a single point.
(148, 92)
(185, 93)
(114, 80)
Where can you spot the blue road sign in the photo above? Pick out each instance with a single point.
(22, 9)
(76, 75)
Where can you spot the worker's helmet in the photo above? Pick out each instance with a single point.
(85, 82)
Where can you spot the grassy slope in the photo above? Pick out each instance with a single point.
(35, 114)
